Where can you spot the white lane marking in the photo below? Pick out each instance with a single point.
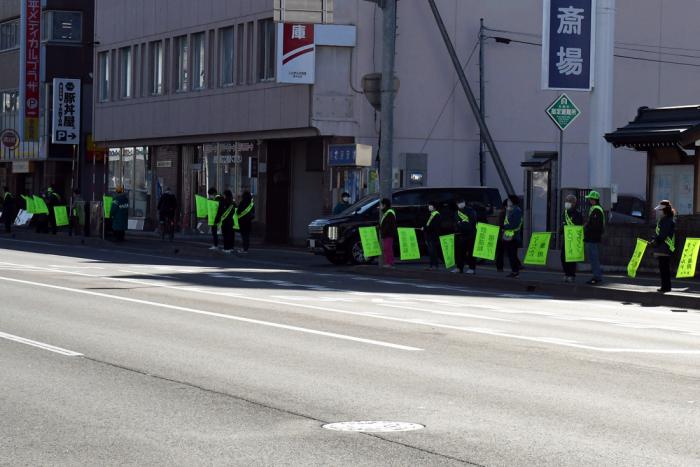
(74, 267)
(218, 315)
(39, 345)
(445, 313)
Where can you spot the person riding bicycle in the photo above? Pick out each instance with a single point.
(167, 208)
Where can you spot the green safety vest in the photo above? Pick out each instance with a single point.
(670, 242)
(567, 218)
(597, 207)
(462, 217)
(246, 211)
(389, 211)
(7, 195)
(433, 215)
(225, 215)
(510, 233)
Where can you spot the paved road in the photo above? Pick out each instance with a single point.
(129, 358)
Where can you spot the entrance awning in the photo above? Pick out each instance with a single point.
(663, 127)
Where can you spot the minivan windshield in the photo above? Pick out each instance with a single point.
(362, 206)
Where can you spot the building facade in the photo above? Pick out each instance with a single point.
(187, 98)
(65, 51)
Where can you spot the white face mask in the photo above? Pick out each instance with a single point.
(567, 206)
(461, 205)
(431, 208)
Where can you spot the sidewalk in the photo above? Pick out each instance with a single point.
(617, 287)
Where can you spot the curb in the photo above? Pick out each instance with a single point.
(677, 300)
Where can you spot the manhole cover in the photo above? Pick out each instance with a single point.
(373, 426)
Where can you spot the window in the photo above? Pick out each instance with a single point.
(103, 64)
(241, 45)
(250, 33)
(226, 46)
(129, 167)
(198, 61)
(181, 63)
(62, 26)
(8, 101)
(156, 71)
(266, 50)
(125, 72)
(9, 35)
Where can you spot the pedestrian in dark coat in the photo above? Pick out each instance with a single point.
(571, 217)
(465, 227)
(593, 231)
(119, 214)
(224, 219)
(513, 234)
(213, 195)
(245, 213)
(431, 233)
(53, 199)
(9, 209)
(388, 232)
(664, 242)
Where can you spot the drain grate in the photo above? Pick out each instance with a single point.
(373, 426)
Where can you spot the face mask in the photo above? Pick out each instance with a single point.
(346, 199)
(431, 208)
(567, 206)
(461, 205)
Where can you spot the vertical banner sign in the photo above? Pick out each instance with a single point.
(60, 214)
(66, 111)
(40, 206)
(486, 241)
(107, 206)
(447, 243)
(568, 44)
(538, 248)
(408, 244)
(296, 53)
(212, 210)
(637, 257)
(30, 69)
(369, 238)
(201, 205)
(689, 259)
(573, 244)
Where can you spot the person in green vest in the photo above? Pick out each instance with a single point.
(224, 220)
(664, 241)
(77, 214)
(9, 209)
(343, 204)
(214, 195)
(513, 234)
(53, 199)
(593, 231)
(245, 213)
(465, 225)
(388, 232)
(431, 233)
(120, 214)
(571, 217)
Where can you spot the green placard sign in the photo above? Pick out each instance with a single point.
(40, 205)
(637, 257)
(538, 248)
(563, 112)
(212, 209)
(486, 241)
(408, 244)
(370, 242)
(107, 206)
(60, 214)
(29, 202)
(447, 243)
(573, 244)
(689, 259)
(201, 205)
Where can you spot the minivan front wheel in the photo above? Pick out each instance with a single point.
(357, 255)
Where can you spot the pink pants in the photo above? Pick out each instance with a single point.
(388, 249)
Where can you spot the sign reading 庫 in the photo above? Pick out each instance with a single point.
(568, 44)
(296, 53)
(30, 69)
(66, 111)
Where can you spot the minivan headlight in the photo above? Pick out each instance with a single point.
(332, 233)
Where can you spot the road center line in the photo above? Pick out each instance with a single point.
(40, 345)
(217, 315)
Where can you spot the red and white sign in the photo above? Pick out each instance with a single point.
(30, 68)
(296, 53)
(9, 139)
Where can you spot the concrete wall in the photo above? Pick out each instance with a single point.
(304, 207)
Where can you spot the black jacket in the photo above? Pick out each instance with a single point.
(9, 207)
(224, 204)
(465, 228)
(575, 217)
(167, 204)
(388, 228)
(594, 229)
(247, 220)
(432, 228)
(666, 230)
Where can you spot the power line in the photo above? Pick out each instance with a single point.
(449, 98)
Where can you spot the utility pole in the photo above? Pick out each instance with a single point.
(388, 94)
(482, 100)
(600, 152)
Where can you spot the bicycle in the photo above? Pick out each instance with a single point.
(167, 227)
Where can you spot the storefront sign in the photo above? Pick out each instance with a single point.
(568, 44)
(30, 69)
(350, 155)
(9, 139)
(21, 167)
(66, 111)
(296, 53)
(164, 164)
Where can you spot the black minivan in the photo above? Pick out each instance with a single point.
(338, 238)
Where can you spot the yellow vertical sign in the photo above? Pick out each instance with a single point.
(637, 257)
(689, 259)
